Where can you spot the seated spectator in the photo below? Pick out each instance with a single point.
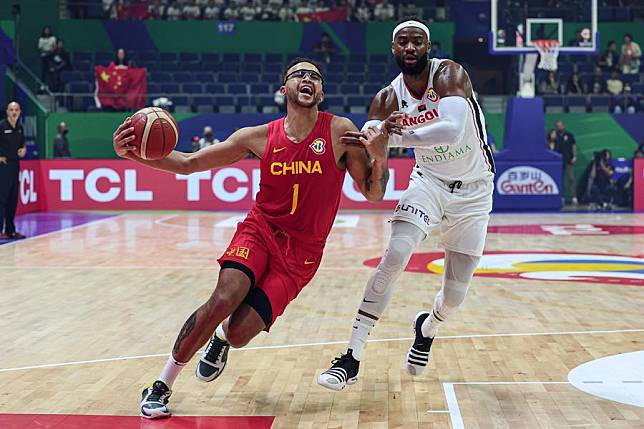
(614, 85)
(286, 13)
(597, 84)
(248, 12)
(551, 140)
(437, 51)
(173, 12)
(628, 104)
(574, 86)
(409, 10)
(384, 11)
(631, 54)
(194, 144)
(208, 138)
(191, 11)
(211, 11)
(325, 47)
(46, 45)
(156, 10)
(58, 61)
(600, 180)
(550, 85)
(362, 12)
(609, 59)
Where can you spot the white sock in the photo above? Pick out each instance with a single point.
(219, 332)
(430, 325)
(361, 330)
(170, 371)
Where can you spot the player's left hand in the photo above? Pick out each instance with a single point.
(22, 152)
(373, 140)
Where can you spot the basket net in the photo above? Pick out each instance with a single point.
(548, 52)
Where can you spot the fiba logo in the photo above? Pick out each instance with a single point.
(318, 146)
(432, 95)
(441, 149)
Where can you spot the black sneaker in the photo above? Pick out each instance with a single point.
(418, 354)
(154, 401)
(213, 360)
(343, 371)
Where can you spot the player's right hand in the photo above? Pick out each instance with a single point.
(122, 138)
(393, 124)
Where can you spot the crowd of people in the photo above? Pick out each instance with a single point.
(611, 76)
(267, 10)
(606, 182)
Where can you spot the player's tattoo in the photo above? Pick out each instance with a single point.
(384, 179)
(185, 331)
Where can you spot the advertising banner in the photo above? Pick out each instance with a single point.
(126, 185)
(638, 183)
(30, 195)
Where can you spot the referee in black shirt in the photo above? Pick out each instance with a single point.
(12, 148)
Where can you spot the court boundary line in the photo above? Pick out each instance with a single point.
(325, 343)
(455, 416)
(71, 228)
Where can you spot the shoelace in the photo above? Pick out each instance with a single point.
(209, 349)
(156, 395)
(339, 360)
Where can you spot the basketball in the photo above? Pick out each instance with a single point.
(156, 133)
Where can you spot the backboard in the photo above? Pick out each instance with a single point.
(515, 24)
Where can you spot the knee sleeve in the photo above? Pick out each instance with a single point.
(459, 269)
(404, 239)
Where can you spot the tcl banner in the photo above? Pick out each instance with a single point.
(30, 195)
(638, 184)
(122, 185)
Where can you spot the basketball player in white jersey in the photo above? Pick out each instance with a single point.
(430, 107)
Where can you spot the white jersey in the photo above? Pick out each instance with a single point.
(467, 160)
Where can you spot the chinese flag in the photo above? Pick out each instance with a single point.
(120, 87)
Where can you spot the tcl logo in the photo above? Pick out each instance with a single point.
(27, 187)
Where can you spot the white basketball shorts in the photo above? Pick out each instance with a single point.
(461, 210)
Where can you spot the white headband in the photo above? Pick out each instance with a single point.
(406, 24)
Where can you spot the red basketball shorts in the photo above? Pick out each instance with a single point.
(279, 265)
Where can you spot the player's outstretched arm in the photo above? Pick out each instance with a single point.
(236, 147)
(365, 157)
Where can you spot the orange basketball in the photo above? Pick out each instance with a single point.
(156, 133)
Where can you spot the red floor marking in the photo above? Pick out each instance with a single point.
(74, 421)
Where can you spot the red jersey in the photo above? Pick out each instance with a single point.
(301, 184)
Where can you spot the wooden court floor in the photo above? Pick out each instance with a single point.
(88, 315)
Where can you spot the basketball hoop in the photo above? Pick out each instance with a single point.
(548, 51)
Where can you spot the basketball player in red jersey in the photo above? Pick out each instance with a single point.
(278, 248)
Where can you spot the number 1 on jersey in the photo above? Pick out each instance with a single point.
(296, 188)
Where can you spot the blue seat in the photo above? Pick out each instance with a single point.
(357, 100)
(231, 57)
(181, 77)
(335, 68)
(168, 56)
(161, 77)
(83, 65)
(335, 78)
(209, 57)
(350, 88)
(331, 88)
(236, 88)
(553, 103)
(170, 66)
(274, 58)
(244, 100)
(606, 14)
(78, 87)
(191, 67)
(70, 76)
(576, 102)
(203, 100)
(630, 78)
(623, 14)
(355, 68)
(378, 58)
(170, 88)
(224, 100)
(565, 67)
(227, 77)
(585, 68)
(252, 68)
(103, 58)
(215, 88)
(265, 101)
(371, 89)
(153, 88)
(355, 77)
(260, 89)
(180, 100)
(83, 56)
(204, 77)
(209, 66)
(252, 58)
(229, 67)
(271, 78)
(637, 88)
(249, 77)
(273, 68)
(192, 88)
(149, 56)
(188, 57)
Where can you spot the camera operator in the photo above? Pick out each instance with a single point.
(600, 180)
